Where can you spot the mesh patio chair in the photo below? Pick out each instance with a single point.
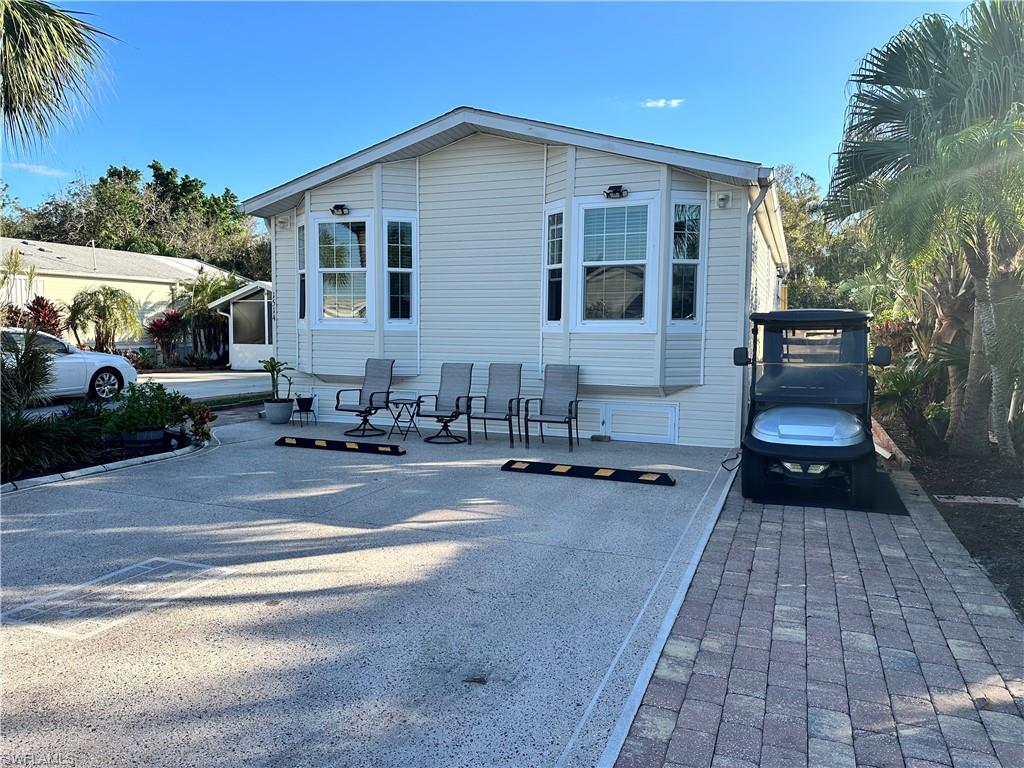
(502, 401)
(558, 403)
(373, 396)
(450, 402)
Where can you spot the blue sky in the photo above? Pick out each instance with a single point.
(249, 95)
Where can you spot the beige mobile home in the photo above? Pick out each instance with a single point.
(479, 237)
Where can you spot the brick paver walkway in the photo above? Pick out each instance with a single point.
(814, 637)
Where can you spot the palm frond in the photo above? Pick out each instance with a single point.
(47, 57)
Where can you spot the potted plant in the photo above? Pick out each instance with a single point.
(937, 415)
(278, 409)
(305, 402)
(143, 412)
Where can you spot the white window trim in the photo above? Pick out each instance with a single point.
(301, 268)
(414, 300)
(369, 323)
(552, 325)
(652, 266)
(697, 324)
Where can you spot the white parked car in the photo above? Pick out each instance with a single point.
(77, 372)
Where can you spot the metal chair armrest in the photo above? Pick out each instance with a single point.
(337, 397)
(476, 397)
(526, 403)
(387, 399)
(421, 398)
(467, 398)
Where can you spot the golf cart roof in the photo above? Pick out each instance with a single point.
(812, 318)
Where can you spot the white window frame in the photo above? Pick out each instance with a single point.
(652, 266)
(369, 323)
(414, 281)
(553, 325)
(697, 323)
(302, 269)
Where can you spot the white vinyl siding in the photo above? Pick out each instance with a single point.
(596, 171)
(354, 190)
(764, 279)
(480, 223)
(399, 185)
(557, 174)
(284, 275)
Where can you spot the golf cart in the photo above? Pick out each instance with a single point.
(809, 420)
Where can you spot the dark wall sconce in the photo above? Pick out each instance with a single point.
(616, 192)
(339, 209)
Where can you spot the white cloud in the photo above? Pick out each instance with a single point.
(661, 103)
(39, 170)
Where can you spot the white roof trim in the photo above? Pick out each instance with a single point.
(528, 129)
(241, 293)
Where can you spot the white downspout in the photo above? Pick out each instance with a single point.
(765, 183)
(543, 262)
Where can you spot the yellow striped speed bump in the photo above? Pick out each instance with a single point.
(339, 445)
(596, 473)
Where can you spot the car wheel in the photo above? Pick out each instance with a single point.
(862, 482)
(753, 474)
(105, 383)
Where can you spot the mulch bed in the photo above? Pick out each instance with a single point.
(112, 451)
(994, 535)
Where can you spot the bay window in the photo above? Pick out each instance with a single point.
(687, 249)
(553, 258)
(614, 258)
(342, 269)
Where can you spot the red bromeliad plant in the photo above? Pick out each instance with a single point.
(40, 314)
(166, 331)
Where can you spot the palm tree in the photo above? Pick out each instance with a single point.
(110, 313)
(929, 146)
(46, 59)
(207, 326)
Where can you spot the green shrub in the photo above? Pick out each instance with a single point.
(41, 444)
(142, 407)
(200, 416)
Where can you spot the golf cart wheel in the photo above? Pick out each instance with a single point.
(753, 475)
(105, 383)
(862, 481)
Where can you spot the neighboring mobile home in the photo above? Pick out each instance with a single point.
(250, 314)
(479, 237)
(61, 271)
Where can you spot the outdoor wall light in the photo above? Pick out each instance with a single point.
(616, 192)
(339, 209)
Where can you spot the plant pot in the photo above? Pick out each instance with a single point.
(143, 437)
(305, 404)
(939, 426)
(278, 411)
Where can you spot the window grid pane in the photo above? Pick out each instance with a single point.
(400, 295)
(615, 233)
(342, 245)
(684, 291)
(302, 295)
(300, 245)
(344, 295)
(400, 244)
(614, 293)
(555, 238)
(554, 288)
(686, 232)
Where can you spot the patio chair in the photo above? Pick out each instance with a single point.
(373, 396)
(450, 402)
(558, 403)
(501, 403)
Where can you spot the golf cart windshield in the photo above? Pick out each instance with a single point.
(813, 366)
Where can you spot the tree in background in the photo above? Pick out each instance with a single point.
(47, 57)
(931, 156)
(169, 214)
(109, 312)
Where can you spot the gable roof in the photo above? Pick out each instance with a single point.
(246, 290)
(86, 261)
(465, 121)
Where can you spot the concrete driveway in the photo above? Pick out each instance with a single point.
(315, 608)
(204, 385)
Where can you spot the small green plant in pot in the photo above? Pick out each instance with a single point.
(143, 412)
(305, 402)
(278, 409)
